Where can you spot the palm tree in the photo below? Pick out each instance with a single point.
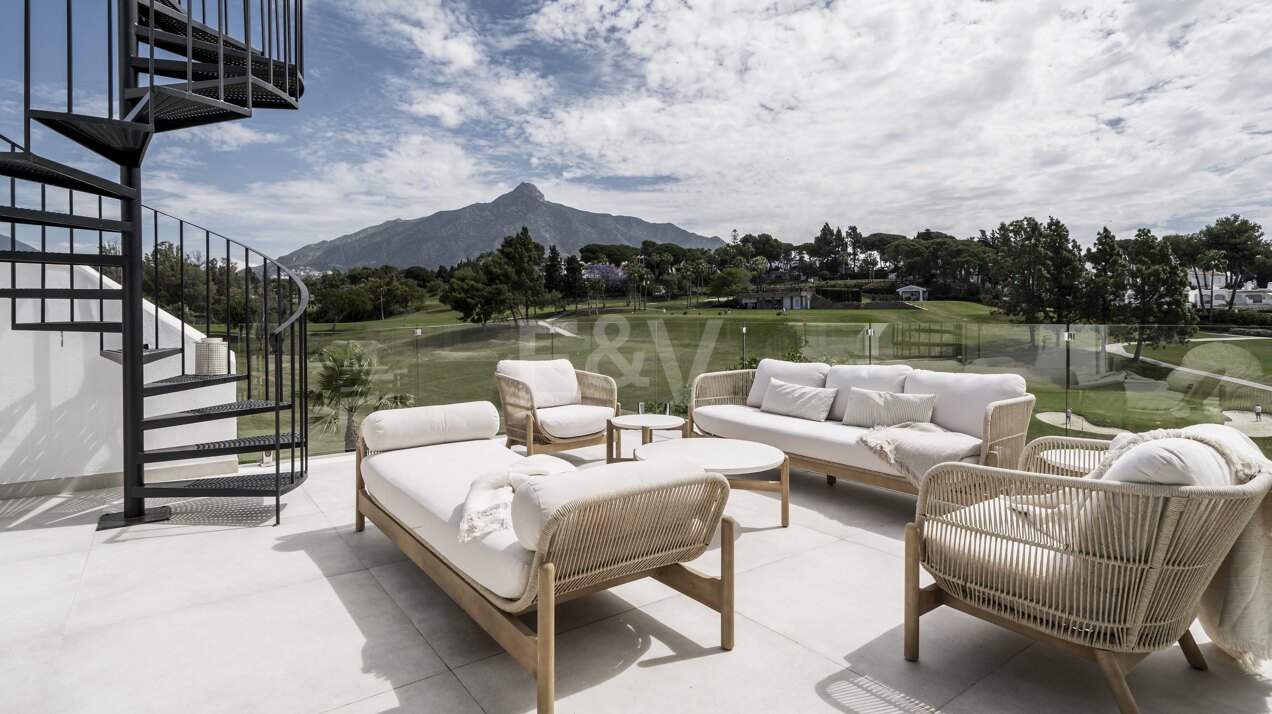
(342, 386)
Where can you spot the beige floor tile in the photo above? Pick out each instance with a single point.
(36, 596)
(1044, 680)
(305, 648)
(26, 672)
(664, 658)
(130, 577)
(439, 694)
(371, 546)
(844, 601)
(50, 525)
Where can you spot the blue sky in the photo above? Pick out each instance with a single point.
(722, 114)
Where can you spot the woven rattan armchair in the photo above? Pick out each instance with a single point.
(1116, 571)
(1005, 430)
(522, 427)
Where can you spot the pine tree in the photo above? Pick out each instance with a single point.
(1159, 306)
(552, 270)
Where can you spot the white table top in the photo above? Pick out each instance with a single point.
(729, 457)
(647, 421)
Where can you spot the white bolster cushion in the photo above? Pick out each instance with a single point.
(392, 429)
(539, 499)
(1171, 462)
(805, 374)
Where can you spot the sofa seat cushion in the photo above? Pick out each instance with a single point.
(878, 377)
(572, 420)
(552, 382)
(424, 489)
(962, 398)
(824, 440)
(806, 374)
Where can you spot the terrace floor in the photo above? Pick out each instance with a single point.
(218, 611)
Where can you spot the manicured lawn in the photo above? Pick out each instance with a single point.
(1244, 359)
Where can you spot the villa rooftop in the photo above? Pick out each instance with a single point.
(216, 610)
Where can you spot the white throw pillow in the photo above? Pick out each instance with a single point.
(1171, 462)
(868, 408)
(962, 398)
(808, 374)
(812, 403)
(539, 499)
(392, 429)
(879, 377)
(552, 382)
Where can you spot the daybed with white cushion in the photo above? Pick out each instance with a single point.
(550, 406)
(573, 532)
(991, 408)
(1111, 565)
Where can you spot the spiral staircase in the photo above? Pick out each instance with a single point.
(166, 66)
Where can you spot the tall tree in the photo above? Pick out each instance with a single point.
(1020, 255)
(1240, 243)
(572, 287)
(1063, 272)
(525, 275)
(1102, 292)
(553, 270)
(471, 294)
(1159, 293)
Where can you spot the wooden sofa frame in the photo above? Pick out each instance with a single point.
(1006, 428)
(657, 530)
(522, 427)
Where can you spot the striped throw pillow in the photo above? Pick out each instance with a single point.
(868, 408)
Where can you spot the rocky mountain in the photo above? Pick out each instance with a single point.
(447, 237)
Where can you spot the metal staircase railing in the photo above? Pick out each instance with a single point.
(229, 58)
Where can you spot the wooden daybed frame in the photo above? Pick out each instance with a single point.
(654, 531)
(1006, 427)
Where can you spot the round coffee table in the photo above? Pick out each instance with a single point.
(730, 457)
(645, 423)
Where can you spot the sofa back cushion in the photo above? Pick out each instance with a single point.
(962, 398)
(807, 374)
(539, 499)
(879, 377)
(1171, 462)
(393, 429)
(552, 382)
(868, 408)
(812, 403)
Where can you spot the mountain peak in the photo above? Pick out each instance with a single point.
(525, 191)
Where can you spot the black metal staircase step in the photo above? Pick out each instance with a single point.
(213, 413)
(28, 216)
(80, 326)
(120, 140)
(174, 108)
(49, 258)
(173, 23)
(29, 167)
(147, 356)
(284, 75)
(237, 485)
(62, 293)
(200, 50)
(235, 89)
(183, 382)
(242, 445)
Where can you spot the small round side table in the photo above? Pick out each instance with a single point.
(645, 423)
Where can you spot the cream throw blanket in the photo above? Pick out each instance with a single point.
(914, 447)
(488, 507)
(1236, 608)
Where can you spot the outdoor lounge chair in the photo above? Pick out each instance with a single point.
(550, 406)
(1108, 570)
(573, 532)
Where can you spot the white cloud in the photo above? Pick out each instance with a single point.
(230, 136)
(778, 115)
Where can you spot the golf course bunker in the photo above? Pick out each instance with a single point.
(1079, 423)
(1243, 421)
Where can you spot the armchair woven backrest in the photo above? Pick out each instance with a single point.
(598, 539)
(1117, 566)
(517, 399)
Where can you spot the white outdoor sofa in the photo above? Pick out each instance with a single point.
(994, 408)
(573, 532)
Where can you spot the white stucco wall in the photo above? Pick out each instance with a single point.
(60, 399)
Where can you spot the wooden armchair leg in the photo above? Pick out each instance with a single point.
(545, 636)
(529, 435)
(1115, 676)
(786, 492)
(912, 592)
(1192, 652)
(727, 534)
